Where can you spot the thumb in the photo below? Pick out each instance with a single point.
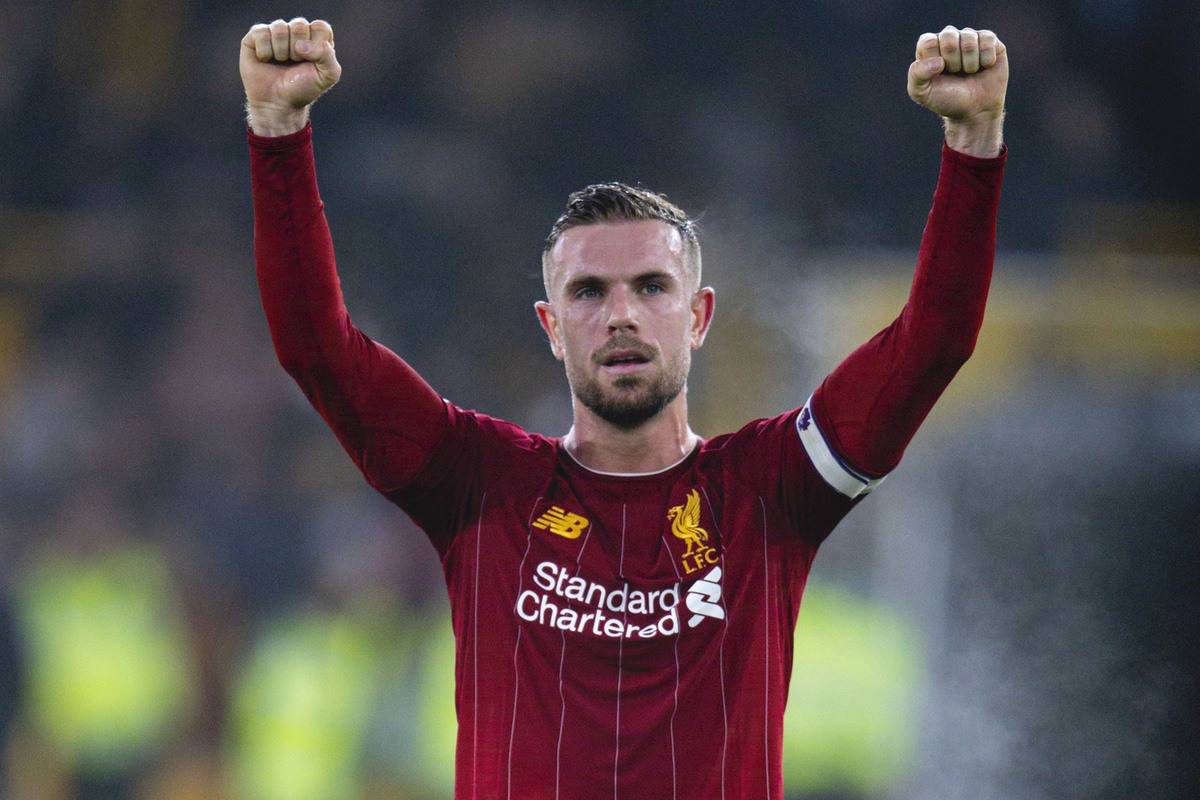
(922, 72)
(323, 57)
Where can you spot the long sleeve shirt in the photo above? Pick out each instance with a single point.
(620, 635)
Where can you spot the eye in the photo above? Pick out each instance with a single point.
(588, 293)
(653, 288)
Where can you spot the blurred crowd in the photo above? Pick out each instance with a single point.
(200, 598)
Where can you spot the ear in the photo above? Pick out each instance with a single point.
(549, 322)
(704, 304)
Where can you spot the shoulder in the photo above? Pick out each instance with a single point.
(793, 445)
(752, 436)
(773, 457)
(495, 441)
(479, 424)
(754, 455)
(478, 451)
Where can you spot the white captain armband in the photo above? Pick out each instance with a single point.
(836, 472)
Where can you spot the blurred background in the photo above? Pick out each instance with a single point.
(200, 597)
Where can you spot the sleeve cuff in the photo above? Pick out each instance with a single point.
(835, 471)
(974, 162)
(288, 141)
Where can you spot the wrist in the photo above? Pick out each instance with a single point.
(981, 135)
(271, 121)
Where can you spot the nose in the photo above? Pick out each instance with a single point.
(622, 314)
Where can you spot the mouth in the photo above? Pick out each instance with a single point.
(622, 361)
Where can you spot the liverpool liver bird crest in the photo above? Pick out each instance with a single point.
(685, 522)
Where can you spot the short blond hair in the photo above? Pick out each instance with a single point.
(620, 202)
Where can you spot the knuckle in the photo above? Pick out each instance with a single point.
(321, 30)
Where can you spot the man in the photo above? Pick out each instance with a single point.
(623, 597)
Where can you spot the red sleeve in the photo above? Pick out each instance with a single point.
(867, 410)
(386, 417)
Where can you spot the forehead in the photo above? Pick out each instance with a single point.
(618, 249)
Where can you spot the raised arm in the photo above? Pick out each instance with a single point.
(385, 416)
(864, 414)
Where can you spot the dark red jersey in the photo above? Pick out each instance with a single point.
(620, 636)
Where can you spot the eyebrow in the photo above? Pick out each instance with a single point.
(587, 280)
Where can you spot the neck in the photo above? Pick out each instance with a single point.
(652, 446)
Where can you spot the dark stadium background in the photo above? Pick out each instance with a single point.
(199, 598)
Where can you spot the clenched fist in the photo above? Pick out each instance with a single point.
(285, 67)
(959, 73)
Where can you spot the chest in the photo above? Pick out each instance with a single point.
(629, 561)
(641, 533)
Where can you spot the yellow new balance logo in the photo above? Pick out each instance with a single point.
(562, 522)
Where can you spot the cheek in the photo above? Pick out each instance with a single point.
(583, 320)
(678, 326)
(573, 334)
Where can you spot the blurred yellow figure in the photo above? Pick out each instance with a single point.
(851, 720)
(301, 707)
(109, 679)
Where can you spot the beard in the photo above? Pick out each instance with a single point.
(633, 399)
